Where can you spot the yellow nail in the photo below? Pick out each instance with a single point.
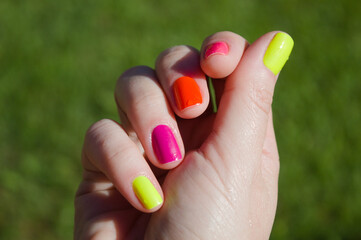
(278, 52)
(146, 192)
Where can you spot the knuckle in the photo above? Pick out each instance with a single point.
(172, 54)
(176, 50)
(261, 98)
(268, 154)
(99, 125)
(134, 71)
(271, 163)
(103, 139)
(96, 130)
(129, 75)
(133, 83)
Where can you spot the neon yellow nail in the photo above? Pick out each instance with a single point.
(278, 52)
(146, 192)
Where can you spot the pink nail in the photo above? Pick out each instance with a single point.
(220, 48)
(165, 145)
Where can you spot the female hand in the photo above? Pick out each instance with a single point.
(175, 170)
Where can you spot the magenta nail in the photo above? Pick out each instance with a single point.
(165, 145)
(220, 48)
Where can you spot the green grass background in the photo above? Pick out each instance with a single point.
(59, 61)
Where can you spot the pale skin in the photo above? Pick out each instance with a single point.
(225, 185)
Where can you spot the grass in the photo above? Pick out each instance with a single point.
(59, 62)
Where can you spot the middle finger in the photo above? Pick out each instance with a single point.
(140, 97)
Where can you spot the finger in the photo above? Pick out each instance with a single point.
(95, 199)
(108, 149)
(183, 81)
(140, 97)
(221, 53)
(241, 122)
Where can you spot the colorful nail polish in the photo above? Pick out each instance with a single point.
(146, 192)
(220, 48)
(165, 145)
(186, 92)
(278, 52)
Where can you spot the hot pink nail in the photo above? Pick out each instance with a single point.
(220, 48)
(165, 145)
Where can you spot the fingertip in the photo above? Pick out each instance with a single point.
(191, 96)
(221, 53)
(216, 48)
(149, 197)
(183, 81)
(166, 147)
(278, 51)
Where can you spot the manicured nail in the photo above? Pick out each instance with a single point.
(146, 192)
(186, 92)
(278, 52)
(220, 48)
(165, 145)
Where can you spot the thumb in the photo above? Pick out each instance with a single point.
(240, 126)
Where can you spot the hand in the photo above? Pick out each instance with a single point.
(217, 173)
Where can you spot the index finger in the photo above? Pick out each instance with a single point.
(221, 53)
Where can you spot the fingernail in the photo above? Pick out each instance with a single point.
(146, 192)
(278, 52)
(165, 145)
(220, 48)
(186, 92)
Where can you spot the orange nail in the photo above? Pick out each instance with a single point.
(186, 92)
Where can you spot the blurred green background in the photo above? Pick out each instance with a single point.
(59, 61)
